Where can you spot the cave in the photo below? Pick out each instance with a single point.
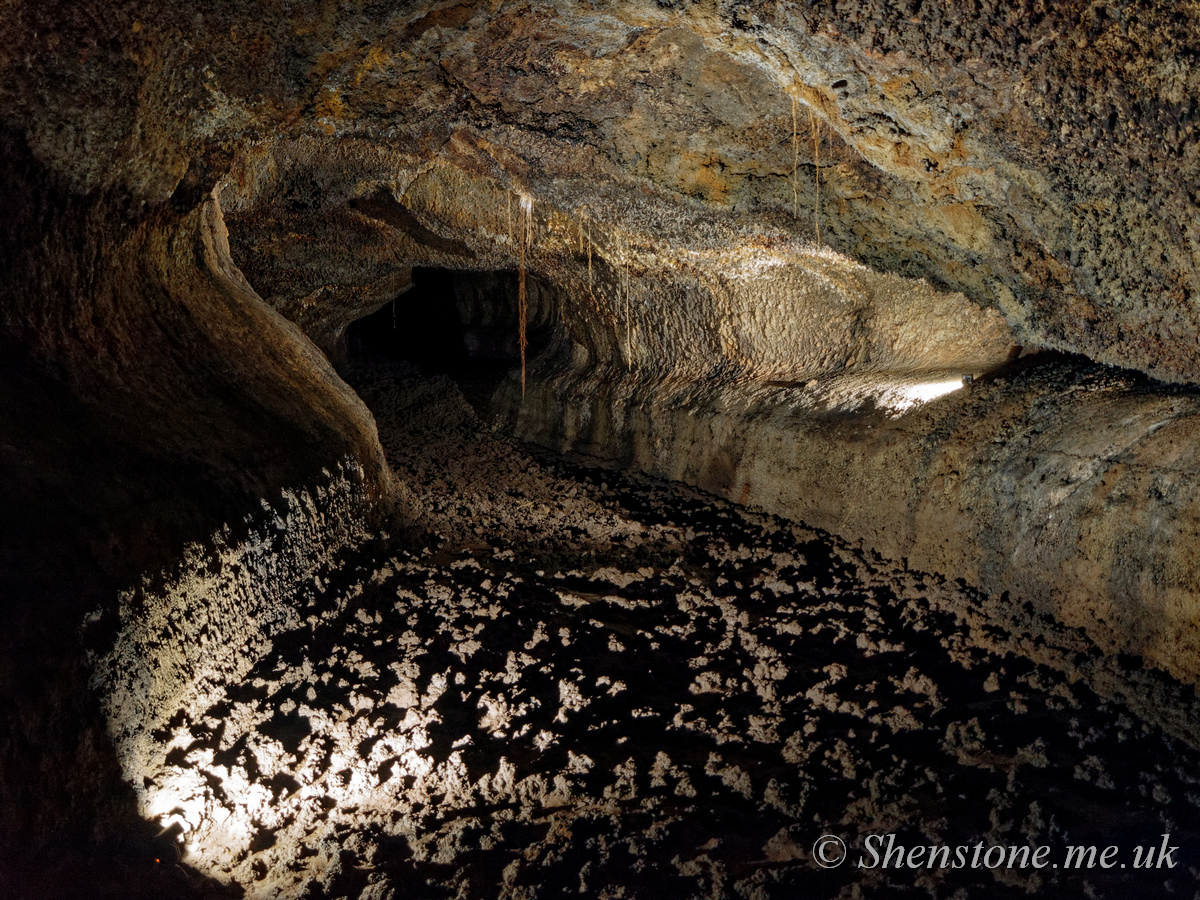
(713, 448)
(422, 325)
(463, 324)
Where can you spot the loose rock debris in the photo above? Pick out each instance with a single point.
(591, 684)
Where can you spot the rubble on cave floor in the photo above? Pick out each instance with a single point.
(595, 685)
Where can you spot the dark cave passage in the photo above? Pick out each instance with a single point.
(461, 324)
(422, 325)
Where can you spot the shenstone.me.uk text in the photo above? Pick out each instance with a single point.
(884, 851)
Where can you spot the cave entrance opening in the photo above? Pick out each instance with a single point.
(457, 323)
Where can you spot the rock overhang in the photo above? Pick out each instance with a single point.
(1020, 156)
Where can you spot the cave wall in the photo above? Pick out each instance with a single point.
(1023, 154)
(1064, 485)
(152, 401)
(1036, 156)
(752, 364)
(763, 226)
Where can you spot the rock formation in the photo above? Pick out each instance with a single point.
(918, 275)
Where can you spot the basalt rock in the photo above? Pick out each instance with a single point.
(754, 240)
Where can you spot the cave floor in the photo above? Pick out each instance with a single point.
(593, 684)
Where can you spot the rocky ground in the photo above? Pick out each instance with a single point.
(594, 685)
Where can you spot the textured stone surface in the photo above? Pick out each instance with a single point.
(1038, 157)
(590, 683)
(757, 232)
(1068, 485)
(151, 399)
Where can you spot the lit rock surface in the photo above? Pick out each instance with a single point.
(1064, 484)
(601, 686)
(1037, 158)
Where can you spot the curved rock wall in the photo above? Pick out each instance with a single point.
(1066, 486)
(732, 357)
(175, 368)
(150, 399)
(178, 642)
(1038, 157)
(768, 229)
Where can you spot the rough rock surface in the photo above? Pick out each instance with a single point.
(752, 209)
(1062, 483)
(1037, 156)
(150, 399)
(603, 686)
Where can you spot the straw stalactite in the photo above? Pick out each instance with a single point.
(795, 162)
(813, 121)
(522, 297)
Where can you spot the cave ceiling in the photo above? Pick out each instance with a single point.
(1040, 158)
(763, 230)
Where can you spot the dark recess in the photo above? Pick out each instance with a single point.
(422, 325)
(460, 324)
